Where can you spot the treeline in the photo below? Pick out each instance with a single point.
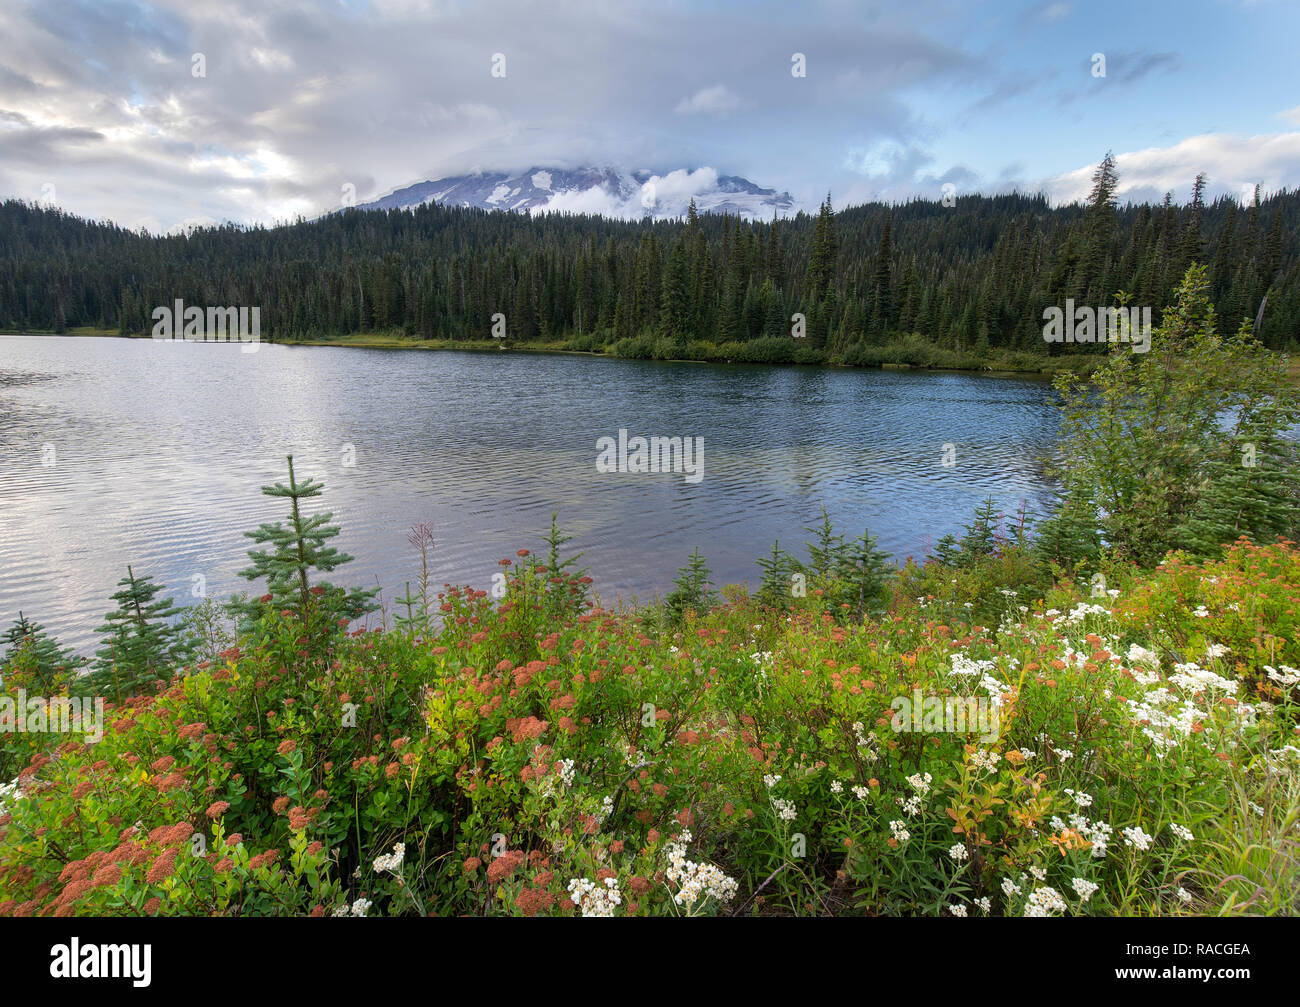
(970, 277)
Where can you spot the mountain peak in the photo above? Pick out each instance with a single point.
(605, 190)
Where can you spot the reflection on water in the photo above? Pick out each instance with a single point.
(159, 449)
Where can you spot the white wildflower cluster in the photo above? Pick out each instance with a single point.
(1181, 831)
(994, 688)
(1097, 833)
(391, 861)
(1082, 610)
(697, 881)
(1044, 901)
(1283, 760)
(900, 832)
(592, 899)
(1214, 651)
(770, 780)
(920, 783)
(837, 787)
(861, 792)
(1196, 680)
(9, 793)
(1136, 837)
(1083, 888)
(1064, 754)
(986, 904)
(762, 660)
(957, 909)
(1201, 612)
(869, 741)
(963, 664)
(563, 776)
(985, 759)
(958, 852)
(1080, 799)
(606, 809)
(1038, 873)
(1010, 888)
(1146, 678)
(784, 809)
(1287, 678)
(358, 908)
(1184, 895)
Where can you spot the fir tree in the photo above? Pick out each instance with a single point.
(29, 646)
(296, 550)
(692, 590)
(141, 647)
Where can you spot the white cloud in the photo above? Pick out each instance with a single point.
(709, 101)
(1229, 161)
(1291, 115)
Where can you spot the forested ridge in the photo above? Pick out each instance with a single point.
(970, 277)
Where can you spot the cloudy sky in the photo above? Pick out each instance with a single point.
(161, 115)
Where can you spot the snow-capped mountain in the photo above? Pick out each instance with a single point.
(608, 191)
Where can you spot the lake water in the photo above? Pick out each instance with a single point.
(118, 451)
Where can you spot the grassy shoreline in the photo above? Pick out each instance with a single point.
(996, 363)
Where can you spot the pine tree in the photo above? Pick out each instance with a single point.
(1253, 489)
(29, 646)
(141, 647)
(692, 590)
(862, 572)
(774, 586)
(298, 549)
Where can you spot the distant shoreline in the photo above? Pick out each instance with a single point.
(1041, 367)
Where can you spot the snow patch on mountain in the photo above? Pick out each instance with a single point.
(607, 191)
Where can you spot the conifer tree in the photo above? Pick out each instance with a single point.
(141, 648)
(297, 549)
(28, 644)
(692, 590)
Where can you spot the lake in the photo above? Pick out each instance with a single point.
(116, 451)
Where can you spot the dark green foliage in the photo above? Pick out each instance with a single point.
(775, 584)
(27, 642)
(692, 590)
(970, 278)
(297, 549)
(141, 648)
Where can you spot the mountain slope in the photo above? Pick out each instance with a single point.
(607, 191)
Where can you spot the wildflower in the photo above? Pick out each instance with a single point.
(1010, 888)
(1083, 888)
(1287, 677)
(1215, 650)
(1184, 895)
(837, 787)
(957, 910)
(592, 899)
(1044, 901)
(1201, 612)
(1136, 837)
(697, 880)
(1181, 831)
(391, 861)
(218, 809)
(861, 793)
(1080, 798)
(1064, 754)
(900, 833)
(985, 904)
(771, 780)
(958, 852)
